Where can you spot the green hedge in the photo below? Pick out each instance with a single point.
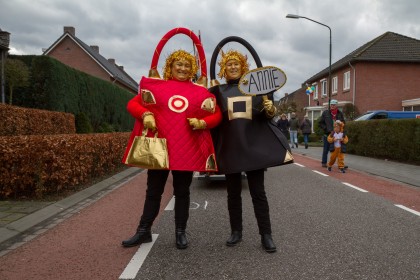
(57, 87)
(389, 139)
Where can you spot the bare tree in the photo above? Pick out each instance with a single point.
(350, 112)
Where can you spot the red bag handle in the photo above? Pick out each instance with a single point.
(153, 67)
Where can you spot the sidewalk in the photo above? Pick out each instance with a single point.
(400, 172)
(21, 221)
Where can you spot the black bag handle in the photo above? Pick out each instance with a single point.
(220, 46)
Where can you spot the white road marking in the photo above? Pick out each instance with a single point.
(171, 204)
(205, 205)
(299, 164)
(137, 261)
(354, 187)
(194, 205)
(408, 209)
(323, 174)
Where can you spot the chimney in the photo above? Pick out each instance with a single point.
(111, 60)
(70, 29)
(95, 48)
(121, 67)
(4, 39)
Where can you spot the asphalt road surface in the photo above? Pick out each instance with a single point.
(326, 225)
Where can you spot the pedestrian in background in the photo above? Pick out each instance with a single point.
(294, 128)
(306, 128)
(326, 123)
(283, 125)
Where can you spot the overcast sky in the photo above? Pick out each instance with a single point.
(129, 30)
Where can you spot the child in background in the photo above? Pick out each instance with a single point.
(338, 141)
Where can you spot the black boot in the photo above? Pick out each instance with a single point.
(181, 238)
(268, 243)
(142, 235)
(234, 238)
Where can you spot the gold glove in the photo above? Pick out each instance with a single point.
(196, 123)
(149, 121)
(270, 110)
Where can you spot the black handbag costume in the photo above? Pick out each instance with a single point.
(246, 139)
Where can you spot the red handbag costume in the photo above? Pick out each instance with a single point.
(172, 102)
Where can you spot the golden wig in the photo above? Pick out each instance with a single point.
(176, 56)
(232, 55)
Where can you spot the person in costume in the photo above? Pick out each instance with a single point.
(338, 140)
(182, 112)
(326, 123)
(246, 141)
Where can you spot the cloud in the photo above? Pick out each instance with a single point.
(129, 30)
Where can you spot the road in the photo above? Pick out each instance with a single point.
(326, 225)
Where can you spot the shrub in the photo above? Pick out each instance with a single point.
(83, 124)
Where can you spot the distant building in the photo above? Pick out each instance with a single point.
(382, 74)
(73, 52)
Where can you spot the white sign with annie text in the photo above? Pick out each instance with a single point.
(262, 81)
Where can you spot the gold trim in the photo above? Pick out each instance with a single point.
(214, 83)
(147, 97)
(288, 157)
(153, 73)
(240, 115)
(211, 163)
(202, 81)
(209, 105)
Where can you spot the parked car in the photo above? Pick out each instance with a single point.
(382, 114)
(213, 176)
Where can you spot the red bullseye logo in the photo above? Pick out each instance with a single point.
(178, 103)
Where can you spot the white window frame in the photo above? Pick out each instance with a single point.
(315, 91)
(324, 87)
(334, 84)
(346, 80)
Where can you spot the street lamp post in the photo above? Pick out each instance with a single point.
(329, 67)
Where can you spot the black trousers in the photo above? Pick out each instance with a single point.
(259, 200)
(156, 180)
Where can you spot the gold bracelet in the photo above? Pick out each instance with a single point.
(146, 114)
(271, 114)
(203, 124)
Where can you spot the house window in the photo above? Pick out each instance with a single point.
(346, 81)
(324, 87)
(315, 91)
(334, 84)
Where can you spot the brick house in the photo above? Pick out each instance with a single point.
(382, 74)
(73, 52)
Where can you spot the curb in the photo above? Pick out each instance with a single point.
(20, 226)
